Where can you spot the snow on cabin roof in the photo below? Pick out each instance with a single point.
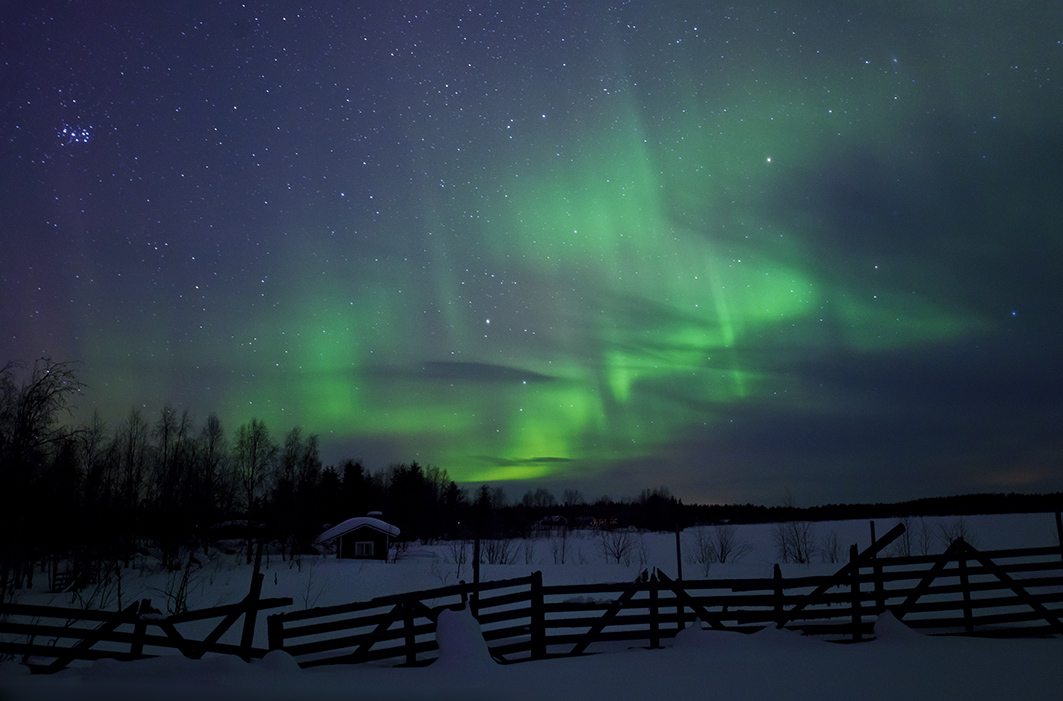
(357, 522)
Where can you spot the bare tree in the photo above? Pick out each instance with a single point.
(29, 431)
(902, 546)
(957, 529)
(615, 544)
(173, 481)
(310, 593)
(831, 551)
(498, 499)
(728, 546)
(215, 494)
(29, 414)
(164, 432)
(701, 550)
(719, 544)
(133, 444)
(459, 553)
(97, 555)
(638, 554)
(180, 584)
(924, 538)
(559, 544)
(573, 497)
(795, 541)
(541, 498)
(285, 487)
(255, 456)
(497, 551)
(527, 548)
(307, 505)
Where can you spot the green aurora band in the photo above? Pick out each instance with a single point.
(638, 264)
(644, 291)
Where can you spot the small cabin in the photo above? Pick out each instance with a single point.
(550, 525)
(362, 538)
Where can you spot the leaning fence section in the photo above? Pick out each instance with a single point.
(49, 638)
(989, 593)
(402, 626)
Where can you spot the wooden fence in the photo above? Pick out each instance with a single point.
(48, 638)
(961, 591)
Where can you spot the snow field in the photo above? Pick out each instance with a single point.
(899, 664)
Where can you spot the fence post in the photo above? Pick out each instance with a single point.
(250, 603)
(136, 648)
(777, 580)
(275, 631)
(1059, 534)
(680, 609)
(538, 616)
(965, 587)
(876, 574)
(410, 638)
(678, 555)
(855, 591)
(474, 600)
(655, 611)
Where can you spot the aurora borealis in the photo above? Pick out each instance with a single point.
(735, 250)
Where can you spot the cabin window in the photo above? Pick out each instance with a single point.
(363, 548)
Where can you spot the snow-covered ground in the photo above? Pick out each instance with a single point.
(697, 664)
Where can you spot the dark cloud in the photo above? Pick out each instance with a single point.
(477, 372)
(520, 462)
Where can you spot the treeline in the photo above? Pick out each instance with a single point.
(959, 505)
(95, 494)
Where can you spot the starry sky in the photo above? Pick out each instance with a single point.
(740, 250)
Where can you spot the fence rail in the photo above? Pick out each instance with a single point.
(48, 638)
(961, 591)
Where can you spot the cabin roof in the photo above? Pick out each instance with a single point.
(352, 524)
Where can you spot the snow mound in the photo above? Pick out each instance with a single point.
(889, 629)
(279, 661)
(693, 636)
(461, 642)
(783, 637)
(697, 637)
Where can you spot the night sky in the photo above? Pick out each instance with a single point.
(743, 251)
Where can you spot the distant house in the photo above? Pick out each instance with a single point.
(550, 525)
(363, 537)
